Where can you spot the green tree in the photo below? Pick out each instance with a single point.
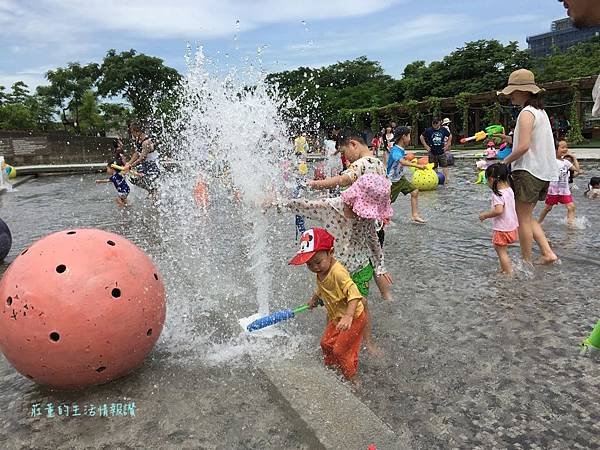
(321, 94)
(19, 93)
(90, 121)
(67, 89)
(479, 66)
(144, 81)
(114, 116)
(582, 60)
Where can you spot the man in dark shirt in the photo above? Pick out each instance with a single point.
(435, 142)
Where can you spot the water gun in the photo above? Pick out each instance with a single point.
(131, 171)
(278, 316)
(487, 133)
(593, 341)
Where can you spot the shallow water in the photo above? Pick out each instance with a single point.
(470, 359)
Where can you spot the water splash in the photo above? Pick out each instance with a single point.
(227, 141)
(580, 223)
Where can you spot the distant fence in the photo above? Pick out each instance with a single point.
(21, 148)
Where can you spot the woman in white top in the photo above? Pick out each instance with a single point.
(533, 160)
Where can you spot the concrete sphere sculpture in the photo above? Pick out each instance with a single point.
(5, 240)
(80, 307)
(425, 179)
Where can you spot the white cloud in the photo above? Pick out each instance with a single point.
(58, 19)
(375, 38)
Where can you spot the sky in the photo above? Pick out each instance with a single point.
(37, 36)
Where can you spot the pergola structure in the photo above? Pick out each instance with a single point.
(472, 112)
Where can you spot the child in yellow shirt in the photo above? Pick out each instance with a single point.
(342, 337)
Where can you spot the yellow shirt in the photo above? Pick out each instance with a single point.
(337, 290)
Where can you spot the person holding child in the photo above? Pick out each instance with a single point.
(346, 318)
(361, 161)
(351, 219)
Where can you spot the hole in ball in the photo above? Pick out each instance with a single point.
(116, 292)
(156, 277)
(54, 336)
(100, 369)
(9, 301)
(61, 268)
(149, 332)
(24, 251)
(71, 232)
(111, 243)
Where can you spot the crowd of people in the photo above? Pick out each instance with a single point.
(349, 251)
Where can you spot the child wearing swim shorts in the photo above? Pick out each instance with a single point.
(117, 179)
(559, 191)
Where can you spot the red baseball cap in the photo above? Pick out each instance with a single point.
(312, 241)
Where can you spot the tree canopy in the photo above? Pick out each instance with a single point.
(95, 98)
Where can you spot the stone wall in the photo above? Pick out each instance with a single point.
(24, 148)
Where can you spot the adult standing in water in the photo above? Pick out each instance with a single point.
(437, 140)
(145, 161)
(532, 158)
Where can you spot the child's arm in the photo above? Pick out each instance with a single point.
(576, 169)
(346, 321)
(497, 211)
(102, 181)
(406, 162)
(331, 182)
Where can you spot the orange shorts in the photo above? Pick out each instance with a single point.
(503, 238)
(341, 348)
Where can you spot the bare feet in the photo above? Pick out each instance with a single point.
(418, 219)
(374, 350)
(547, 259)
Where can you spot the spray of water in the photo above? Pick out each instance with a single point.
(228, 142)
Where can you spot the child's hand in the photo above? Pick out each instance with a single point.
(345, 322)
(312, 303)
(482, 216)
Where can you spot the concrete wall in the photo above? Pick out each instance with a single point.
(24, 148)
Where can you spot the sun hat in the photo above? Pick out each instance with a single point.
(369, 197)
(446, 121)
(312, 241)
(521, 80)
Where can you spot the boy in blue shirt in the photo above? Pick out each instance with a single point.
(120, 184)
(437, 141)
(395, 172)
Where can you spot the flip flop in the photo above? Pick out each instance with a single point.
(418, 220)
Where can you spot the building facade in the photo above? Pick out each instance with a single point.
(562, 35)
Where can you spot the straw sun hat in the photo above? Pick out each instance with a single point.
(521, 80)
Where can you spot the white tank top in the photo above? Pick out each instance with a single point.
(540, 159)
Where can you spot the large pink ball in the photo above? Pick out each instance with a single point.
(80, 307)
